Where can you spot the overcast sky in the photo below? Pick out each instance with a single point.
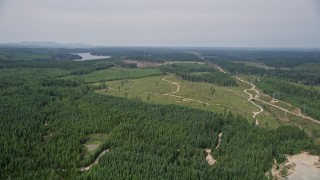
(216, 23)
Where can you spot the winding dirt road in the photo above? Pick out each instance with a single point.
(253, 88)
(171, 94)
(178, 90)
(256, 97)
(219, 142)
(290, 112)
(95, 162)
(172, 82)
(209, 158)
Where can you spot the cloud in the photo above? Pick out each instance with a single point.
(164, 22)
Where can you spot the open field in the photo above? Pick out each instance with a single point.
(256, 64)
(225, 98)
(163, 90)
(116, 73)
(93, 143)
(281, 117)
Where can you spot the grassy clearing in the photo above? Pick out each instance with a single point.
(153, 84)
(279, 103)
(93, 143)
(280, 117)
(151, 89)
(273, 117)
(229, 98)
(257, 64)
(116, 74)
(200, 73)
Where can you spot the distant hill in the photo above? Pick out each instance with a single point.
(45, 45)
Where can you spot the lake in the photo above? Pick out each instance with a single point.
(89, 56)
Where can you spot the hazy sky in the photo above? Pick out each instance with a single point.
(217, 23)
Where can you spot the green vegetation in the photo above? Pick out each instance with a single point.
(223, 98)
(256, 64)
(93, 142)
(142, 138)
(146, 54)
(300, 73)
(186, 72)
(54, 121)
(305, 98)
(115, 74)
(186, 68)
(218, 78)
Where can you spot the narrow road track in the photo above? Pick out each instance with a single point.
(219, 142)
(171, 94)
(209, 158)
(219, 68)
(290, 112)
(278, 107)
(172, 82)
(251, 97)
(178, 90)
(256, 97)
(95, 162)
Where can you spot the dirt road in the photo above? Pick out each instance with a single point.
(95, 162)
(219, 142)
(172, 82)
(251, 97)
(209, 158)
(253, 87)
(211, 161)
(178, 90)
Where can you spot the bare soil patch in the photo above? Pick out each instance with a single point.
(95, 162)
(306, 167)
(141, 63)
(211, 161)
(302, 166)
(92, 147)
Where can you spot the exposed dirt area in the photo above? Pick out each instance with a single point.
(211, 161)
(305, 167)
(251, 97)
(141, 64)
(92, 147)
(297, 111)
(209, 158)
(256, 97)
(219, 68)
(298, 167)
(273, 101)
(219, 142)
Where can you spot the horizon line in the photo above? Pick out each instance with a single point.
(20, 43)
